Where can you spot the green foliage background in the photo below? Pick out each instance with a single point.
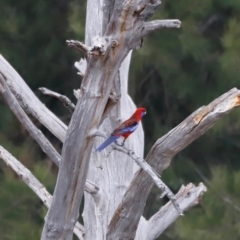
(174, 73)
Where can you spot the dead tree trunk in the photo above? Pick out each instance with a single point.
(112, 172)
(116, 189)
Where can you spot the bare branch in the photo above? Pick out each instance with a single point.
(66, 101)
(155, 176)
(35, 133)
(30, 102)
(108, 50)
(187, 197)
(81, 47)
(34, 184)
(147, 168)
(99, 47)
(26, 176)
(91, 187)
(158, 24)
(160, 157)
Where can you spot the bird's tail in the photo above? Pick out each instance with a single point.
(106, 143)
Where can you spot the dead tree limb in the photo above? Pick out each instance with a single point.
(128, 213)
(159, 24)
(81, 47)
(35, 133)
(155, 176)
(29, 102)
(65, 100)
(34, 184)
(187, 197)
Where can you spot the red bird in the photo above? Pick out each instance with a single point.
(125, 129)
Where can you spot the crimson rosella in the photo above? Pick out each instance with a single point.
(125, 129)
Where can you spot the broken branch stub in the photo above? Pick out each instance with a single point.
(65, 100)
(79, 46)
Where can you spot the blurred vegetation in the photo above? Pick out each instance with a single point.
(174, 73)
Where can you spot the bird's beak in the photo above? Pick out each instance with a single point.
(143, 113)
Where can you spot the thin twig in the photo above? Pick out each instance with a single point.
(158, 24)
(153, 174)
(81, 47)
(147, 168)
(65, 100)
(34, 184)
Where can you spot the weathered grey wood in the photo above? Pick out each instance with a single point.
(187, 197)
(126, 218)
(65, 100)
(78, 46)
(158, 24)
(102, 86)
(35, 133)
(113, 173)
(30, 102)
(77, 147)
(123, 33)
(34, 184)
(154, 176)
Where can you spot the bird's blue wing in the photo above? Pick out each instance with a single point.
(107, 142)
(125, 128)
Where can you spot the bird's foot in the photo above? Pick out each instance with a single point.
(123, 143)
(120, 144)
